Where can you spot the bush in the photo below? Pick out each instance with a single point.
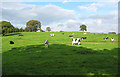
(61, 31)
(112, 33)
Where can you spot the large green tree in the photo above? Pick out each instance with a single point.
(83, 28)
(33, 25)
(26, 29)
(6, 27)
(48, 29)
(21, 29)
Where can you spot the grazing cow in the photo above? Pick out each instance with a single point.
(71, 36)
(11, 42)
(76, 40)
(52, 34)
(46, 43)
(84, 37)
(20, 35)
(105, 38)
(62, 33)
(112, 39)
(72, 33)
(84, 33)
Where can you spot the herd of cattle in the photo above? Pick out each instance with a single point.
(74, 40)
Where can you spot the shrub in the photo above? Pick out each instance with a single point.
(112, 33)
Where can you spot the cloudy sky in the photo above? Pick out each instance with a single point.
(66, 15)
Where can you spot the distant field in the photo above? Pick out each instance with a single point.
(28, 56)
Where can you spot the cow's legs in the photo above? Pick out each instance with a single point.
(78, 43)
(46, 45)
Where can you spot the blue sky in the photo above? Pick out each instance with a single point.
(74, 6)
(65, 15)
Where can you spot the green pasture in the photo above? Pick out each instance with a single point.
(28, 56)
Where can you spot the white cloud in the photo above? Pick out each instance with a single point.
(99, 21)
(97, 4)
(91, 7)
(69, 25)
(102, 22)
(110, 17)
(65, 1)
(59, 0)
(18, 13)
(83, 22)
(59, 18)
(115, 12)
(104, 27)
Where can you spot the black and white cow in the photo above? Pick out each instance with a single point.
(52, 35)
(84, 37)
(105, 38)
(46, 43)
(71, 36)
(72, 33)
(76, 40)
(11, 42)
(84, 33)
(62, 33)
(20, 35)
(112, 39)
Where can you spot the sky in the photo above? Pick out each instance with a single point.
(66, 15)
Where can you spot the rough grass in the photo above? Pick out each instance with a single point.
(28, 56)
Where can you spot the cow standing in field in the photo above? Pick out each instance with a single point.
(84, 33)
(105, 38)
(71, 36)
(11, 42)
(112, 39)
(52, 35)
(72, 33)
(95, 33)
(62, 33)
(76, 40)
(84, 37)
(20, 35)
(46, 43)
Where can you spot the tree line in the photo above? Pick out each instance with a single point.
(7, 27)
(31, 26)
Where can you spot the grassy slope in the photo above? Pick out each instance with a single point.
(28, 55)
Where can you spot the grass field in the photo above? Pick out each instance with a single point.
(28, 56)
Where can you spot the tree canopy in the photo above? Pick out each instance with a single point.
(33, 25)
(83, 27)
(112, 33)
(48, 29)
(7, 27)
(6, 24)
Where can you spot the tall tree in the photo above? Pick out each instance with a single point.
(6, 27)
(21, 30)
(26, 29)
(83, 28)
(33, 25)
(48, 29)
